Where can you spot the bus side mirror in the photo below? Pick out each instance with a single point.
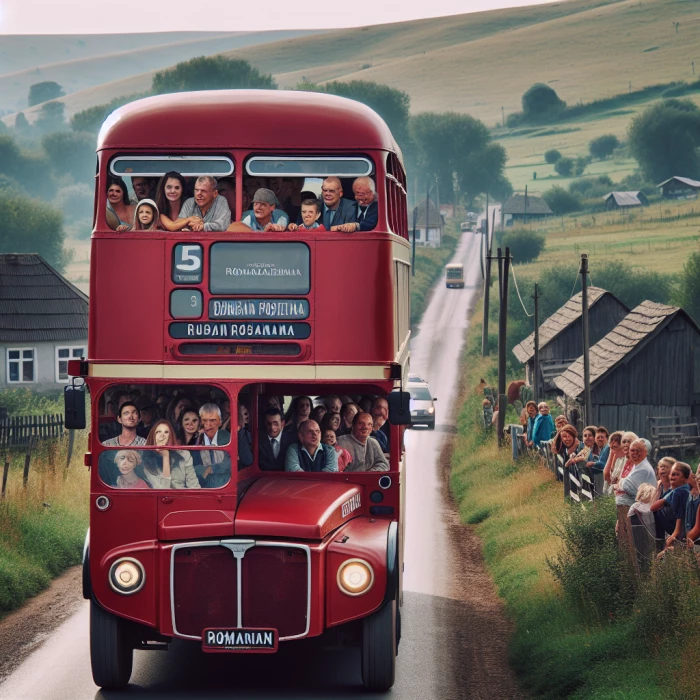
(74, 403)
(399, 407)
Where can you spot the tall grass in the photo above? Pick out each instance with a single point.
(42, 526)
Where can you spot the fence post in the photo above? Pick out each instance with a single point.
(567, 484)
(27, 460)
(514, 432)
(71, 442)
(5, 472)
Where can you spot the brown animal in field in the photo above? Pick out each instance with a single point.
(514, 390)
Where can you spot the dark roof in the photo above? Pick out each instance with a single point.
(623, 341)
(625, 199)
(685, 180)
(435, 216)
(37, 303)
(535, 205)
(558, 322)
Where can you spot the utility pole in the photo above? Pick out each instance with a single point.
(503, 274)
(536, 380)
(413, 247)
(586, 340)
(427, 212)
(437, 199)
(525, 210)
(487, 285)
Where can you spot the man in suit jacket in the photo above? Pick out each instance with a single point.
(366, 210)
(336, 210)
(273, 443)
(213, 467)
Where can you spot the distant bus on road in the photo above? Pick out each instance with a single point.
(454, 275)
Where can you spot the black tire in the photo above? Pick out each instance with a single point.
(111, 650)
(431, 426)
(379, 648)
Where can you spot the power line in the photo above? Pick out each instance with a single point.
(575, 283)
(512, 269)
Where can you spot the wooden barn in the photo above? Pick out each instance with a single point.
(429, 224)
(647, 366)
(523, 208)
(561, 335)
(625, 200)
(679, 188)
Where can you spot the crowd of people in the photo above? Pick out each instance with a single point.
(665, 499)
(329, 434)
(175, 203)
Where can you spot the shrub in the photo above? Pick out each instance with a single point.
(525, 245)
(43, 92)
(590, 187)
(24, 402)
(580, 165)
(687, 292)
(541, 101)
(603, 146)
(552, 156)
(560, 201)
(565, 167)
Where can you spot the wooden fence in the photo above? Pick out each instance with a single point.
(18, 431)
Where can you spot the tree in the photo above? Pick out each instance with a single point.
(22, 125)
(552, 156)
(687, 292)
(31, 226)
(52, 117)
(525, 245)
(565, 166)
(483, 171)
(392, 105)
(43, 92)
(29, 170)
(560, 201)
(72, 153)
(541, 102)
(603, 146)
(664, 139)
(211, 73)
(580, 165)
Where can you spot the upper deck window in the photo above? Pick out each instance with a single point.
(146, 166)
(271, 166)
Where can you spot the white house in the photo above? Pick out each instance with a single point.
(43, 323)
(429, 225)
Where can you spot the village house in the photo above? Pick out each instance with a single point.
(625, 200)
(523, 208)
(679, 188)
(429, 225)
(647, 366)
(561, 335)
(43, 323)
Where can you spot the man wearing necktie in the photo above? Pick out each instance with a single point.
(336, 210)
(366, 212)
(274, 441)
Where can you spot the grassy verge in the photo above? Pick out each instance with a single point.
(430, 264)
(42, 526)
(562, 646)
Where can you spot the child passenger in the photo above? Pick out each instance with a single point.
(646, 495)
(677, 498)
(310, 214)
(146, 217)
(344, 457)
(544, 425)
(127, 461)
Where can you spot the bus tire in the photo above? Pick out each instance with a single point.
(111, 651)
(379, 648)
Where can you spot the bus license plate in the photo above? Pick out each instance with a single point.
(226, 639)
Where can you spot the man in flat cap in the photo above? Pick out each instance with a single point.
(265, 216)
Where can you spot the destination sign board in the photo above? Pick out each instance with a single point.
(249, 330)
(260, 268)
(267, 309)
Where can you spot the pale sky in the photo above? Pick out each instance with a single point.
(128, 16)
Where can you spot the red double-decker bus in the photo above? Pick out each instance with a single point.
(207, 345)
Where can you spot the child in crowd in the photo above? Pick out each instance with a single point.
(677, 498)
(544, 425)
(646, 495)
(146, 217)
(344, 457)
(127, 461)
(310, 214)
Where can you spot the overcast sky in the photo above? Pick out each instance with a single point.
(120, 16)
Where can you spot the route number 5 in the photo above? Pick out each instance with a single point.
(187, 267)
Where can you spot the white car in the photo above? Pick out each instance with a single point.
(422, 405)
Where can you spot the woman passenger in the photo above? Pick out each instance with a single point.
(127, 461)
(170, 196)
(570, 443)
(176, 407)
(347, 413)
(589, 446)
(331, 421)
(168, 469)
(120, 212)
(299, 411)
(188, 427)
(616, 460)
(318, 413)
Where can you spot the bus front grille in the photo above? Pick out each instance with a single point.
(274, 587)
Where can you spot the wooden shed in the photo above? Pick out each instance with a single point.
(647, 366)
(561, 335)
(679, 188)
(524, 208)
(625, 200)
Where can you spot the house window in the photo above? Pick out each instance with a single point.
(21, 366)
(74, 352)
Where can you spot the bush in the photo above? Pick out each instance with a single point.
(565, 167)
(560, 201)
(541, 101)
(525, 245)
(580, 165)
(552, 156)
(591, 187)
(24, 402)
(687, 292)
(43, 92)
(603, 146)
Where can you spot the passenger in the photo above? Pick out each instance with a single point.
(210, 417)
(330, 438)
(378, 434)
(310, 214)
(273, 444)
(288, 191)
(144, 187)
(212, 211)
(299, 411)
(333, 403)
(120, 211)
(366, 210)
(336, 210)
(332, 421)
(245, 438)
(380, 407)
(146, 216)
(188, 427)
(310, 454)
(318, 413)
(168, 469)
(214, 466)
(129, 417)
(365, 451)
(149, 415)
(264, 216)
(347, 413)
(170, 195)
(176, 407)
(127, 461)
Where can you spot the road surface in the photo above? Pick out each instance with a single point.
(454, 634)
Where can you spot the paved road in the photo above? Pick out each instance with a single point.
(453, 645)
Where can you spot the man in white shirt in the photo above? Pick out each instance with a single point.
(274, 442)
(129, 417)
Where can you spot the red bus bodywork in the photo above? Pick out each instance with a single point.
(294, 530)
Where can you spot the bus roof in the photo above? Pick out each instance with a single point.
(459, 265)
(264, 119)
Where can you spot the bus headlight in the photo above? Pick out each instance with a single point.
(127, 576)
(355, 577)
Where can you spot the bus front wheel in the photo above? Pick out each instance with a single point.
(111, 650)
(379, 648)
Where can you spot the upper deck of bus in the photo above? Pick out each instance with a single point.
(350, 305)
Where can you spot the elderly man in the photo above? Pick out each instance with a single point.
(336, 210)
(366, 211)
(640, 473)
(128, 417)
(365, 451)
(212, 212)
(213, 466)
(309, 454)
(265, 216)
